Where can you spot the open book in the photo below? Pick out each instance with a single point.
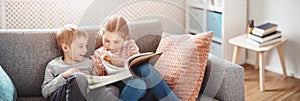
(117, 73)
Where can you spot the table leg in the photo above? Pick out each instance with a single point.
(256, 61)
(261, 71)
(281, 55)
(236, 54)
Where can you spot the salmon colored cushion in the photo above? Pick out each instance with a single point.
(183, 62)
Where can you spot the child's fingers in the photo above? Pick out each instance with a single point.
(102, 67)
(107, 58)
(95, 61)
(99, 66)
(93, 58)
(76, 69)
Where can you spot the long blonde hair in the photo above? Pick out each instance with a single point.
(116, 24)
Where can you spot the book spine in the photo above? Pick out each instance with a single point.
(253, 37)
(270, 42)
(253, 42)
(265, 29)
(257, 32)
(266, 38)
(259, 44)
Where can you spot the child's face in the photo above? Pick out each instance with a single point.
(112, 41)
(77, 50)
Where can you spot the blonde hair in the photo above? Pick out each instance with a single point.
(116, 24)
(68, 34)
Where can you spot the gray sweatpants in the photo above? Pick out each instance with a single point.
(106, 93)
(76, 89)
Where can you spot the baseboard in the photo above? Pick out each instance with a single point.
(276, 69)
(297, 76)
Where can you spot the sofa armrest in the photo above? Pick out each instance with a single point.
(223, 80)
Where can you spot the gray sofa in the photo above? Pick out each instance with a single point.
(24, 54)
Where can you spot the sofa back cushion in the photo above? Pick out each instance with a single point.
(25, 54)
(147, 34)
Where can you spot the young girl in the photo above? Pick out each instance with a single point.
(148, 83)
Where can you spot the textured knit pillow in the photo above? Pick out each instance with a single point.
(183, 62)
(7, 89)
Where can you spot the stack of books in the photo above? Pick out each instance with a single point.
(265, 34)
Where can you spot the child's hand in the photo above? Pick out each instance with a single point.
(108, 58)
(98, 66)
(106, 55)
(69, 72)
(116, 60)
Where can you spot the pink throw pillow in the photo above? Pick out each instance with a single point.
(183, 62)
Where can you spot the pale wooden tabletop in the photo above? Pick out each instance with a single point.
(241, 41)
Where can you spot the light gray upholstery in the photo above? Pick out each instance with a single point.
(24, 55)
(31, 98)
(223, 81)
(147, 34)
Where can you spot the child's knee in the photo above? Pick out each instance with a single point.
(144, 69)
(137, 83)
(80, 79)
(113, 90)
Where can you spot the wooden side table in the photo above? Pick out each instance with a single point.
(241, 42)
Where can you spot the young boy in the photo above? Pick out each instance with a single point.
(62, 78)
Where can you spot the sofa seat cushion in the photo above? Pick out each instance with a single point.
(7, 89)
(31, 98)
(183, 62)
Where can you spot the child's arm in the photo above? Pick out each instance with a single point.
(51, 81)
(69, 72)
(98, 66)
(117, 61)
(132, 48)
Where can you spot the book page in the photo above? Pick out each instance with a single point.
(117, 73)
(99, 81)
(138, 58)
(110, 69)
(133, 60)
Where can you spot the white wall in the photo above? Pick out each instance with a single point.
(286, 14)
(169, 12)
(30, 14)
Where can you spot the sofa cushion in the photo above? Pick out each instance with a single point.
(146, 33)
(148, 43)
(31, 99)
(24, 55)
(183, 62)
(7, 89)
